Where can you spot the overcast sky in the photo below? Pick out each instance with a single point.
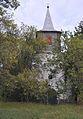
(65, 14)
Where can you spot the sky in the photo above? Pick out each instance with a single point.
(65, 14)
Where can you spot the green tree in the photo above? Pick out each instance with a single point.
(31, 48)
(9, 3)
(9, 42)
(70, 61)
(79, 30)
(19, 59)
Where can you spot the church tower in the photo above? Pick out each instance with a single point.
(50, 34)
(48, 30)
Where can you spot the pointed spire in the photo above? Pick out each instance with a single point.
(48, 25)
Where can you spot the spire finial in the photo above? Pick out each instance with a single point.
(47, 5)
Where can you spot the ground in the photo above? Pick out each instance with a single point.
(39, 111)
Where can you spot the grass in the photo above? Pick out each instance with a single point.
(39, 111)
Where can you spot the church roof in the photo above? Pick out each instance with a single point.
(48, 25)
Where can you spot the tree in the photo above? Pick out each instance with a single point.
(9, 42)
(32, 46)
(79, 30)
(70, 60)
(19, 59)
(9, 3)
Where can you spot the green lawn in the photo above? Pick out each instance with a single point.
(39, 111)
